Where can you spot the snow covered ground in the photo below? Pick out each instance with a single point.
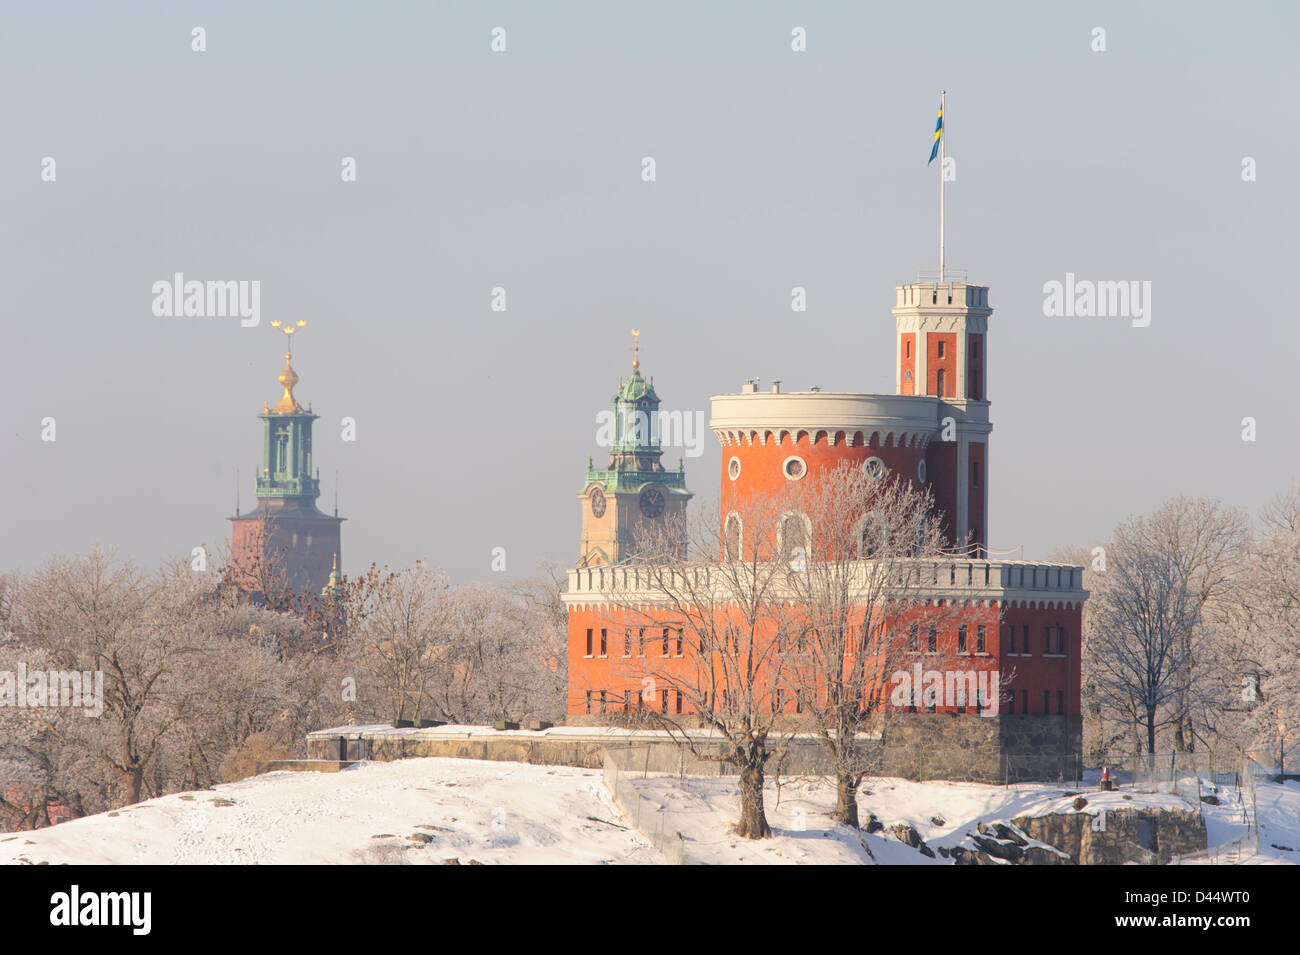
(431, 810)
(466, 809)
(942, 814)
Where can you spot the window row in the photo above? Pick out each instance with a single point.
(670, 701)
(670, 642)
(1054, 643)
(964, 645)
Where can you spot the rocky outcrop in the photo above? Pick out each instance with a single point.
(909, 836)
(1144, 836)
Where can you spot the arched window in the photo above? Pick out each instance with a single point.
(873, 535)
(794, 536)
(938, 377)
(735, 533)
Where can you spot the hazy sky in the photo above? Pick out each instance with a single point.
(522, 169)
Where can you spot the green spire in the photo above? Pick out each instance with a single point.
(635, 452)
(286, 448)
(335, 586)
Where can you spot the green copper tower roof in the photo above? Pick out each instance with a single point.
(632, 434)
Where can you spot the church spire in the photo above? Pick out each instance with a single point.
(288, 404)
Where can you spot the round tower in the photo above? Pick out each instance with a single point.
(933, 431)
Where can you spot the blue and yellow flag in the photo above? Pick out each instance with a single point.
(938, 132)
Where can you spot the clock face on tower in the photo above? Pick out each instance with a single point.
(597, 502)
(652, 502)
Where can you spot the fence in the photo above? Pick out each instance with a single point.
(1241, 781)
(647, 817)
(1065, 768)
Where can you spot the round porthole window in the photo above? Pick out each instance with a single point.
(733, 468)
(794, 468)
(874, 468)
(920, 472)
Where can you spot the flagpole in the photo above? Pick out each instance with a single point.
(943, 138)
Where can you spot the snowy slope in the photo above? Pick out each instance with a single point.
(504, 813)
(468, 809)
(942, 814)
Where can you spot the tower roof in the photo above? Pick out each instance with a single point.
(635, 388)
(287, 404)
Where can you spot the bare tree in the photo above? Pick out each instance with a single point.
(1153, 655)
(696, 588)
(859, 567)
(1268, 672)
(397, 635)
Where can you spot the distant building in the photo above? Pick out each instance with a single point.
(1023, 619)
(285, 547)
(634, 485)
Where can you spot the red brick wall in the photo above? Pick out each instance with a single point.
(948, 363)
(975, 516)
(1036, 672)
(976, 381)
(907, 353)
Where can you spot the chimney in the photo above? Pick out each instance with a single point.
(776, 386)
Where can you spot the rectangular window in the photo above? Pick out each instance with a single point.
(664, 652)
(940, 353)
(974, 474)
(1011, 705)
(663, 700)
(627, 699)
(911, 638)
(588, 644)
(640, 641)
(932, 640)
(589, 701)
(602, 701)
(604, 642)
(803, 639)
(627, 643)
(1060, 701)
(679, 641)
(1011, 640)
(907, 346)
(679, 701)
(961, 639)
(1024, 645)
(979, 639)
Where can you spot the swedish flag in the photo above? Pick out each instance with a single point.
(938, 132)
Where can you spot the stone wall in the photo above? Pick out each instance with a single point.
(1144, 836)
(994, 749)
(920, 746)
